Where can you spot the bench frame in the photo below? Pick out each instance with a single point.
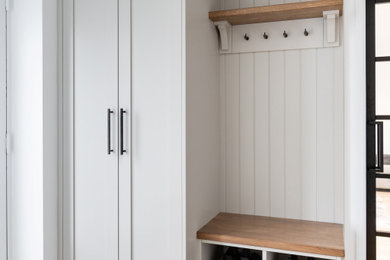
(266, 252)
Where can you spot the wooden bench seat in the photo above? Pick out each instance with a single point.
(308, 237)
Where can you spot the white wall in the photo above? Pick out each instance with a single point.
(3, 125)
(203, 131)
(283, 131)
(355, 127)
(50, 133)
(32, 126)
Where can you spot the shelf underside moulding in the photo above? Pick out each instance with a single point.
(273, 13)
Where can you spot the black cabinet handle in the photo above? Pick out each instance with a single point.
(121, 131)
(109, 149)
(379, 167)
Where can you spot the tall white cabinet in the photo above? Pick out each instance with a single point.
(101, 140)
(122, 130)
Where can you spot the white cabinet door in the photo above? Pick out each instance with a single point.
(95, 91)
(158, 130)
(125, 135)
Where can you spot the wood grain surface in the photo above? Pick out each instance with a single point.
(280, 12)
(276, 233)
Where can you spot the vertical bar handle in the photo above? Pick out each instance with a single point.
(380, 166)
(121, 131)
(109, 113)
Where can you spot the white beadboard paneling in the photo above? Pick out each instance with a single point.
(325, 135)
(246, 3)
(298, 131)
(232, 134)
(277, 134)
(261, 2)
(309, 134)
(247, 134)
(293, 135)
(222, 82)
(262, 180)
(232, 4)
(275, 2)
(338, 134)
(221, 5)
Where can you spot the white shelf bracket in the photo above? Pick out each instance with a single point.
(331, 28)
(225, 36)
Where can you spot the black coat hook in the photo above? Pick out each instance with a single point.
(246, 37)
(285, 35)
(306, 33)
(265, 36)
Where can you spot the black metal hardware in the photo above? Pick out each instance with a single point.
(383, 58)
(109, 149)
(285, 35)
(265, 36)
(382, 176)
(306, 33)
(383, 117)
(246, 37)
(371, 159)
(382, 190)
(383, 234)
(380, 146)
(379, 164)
(121, 130)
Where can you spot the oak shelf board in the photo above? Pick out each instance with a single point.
(275, 233)
(280, 12)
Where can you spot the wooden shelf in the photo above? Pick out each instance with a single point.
(275, 233)
(272, 13)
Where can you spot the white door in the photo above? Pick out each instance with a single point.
(96, 130)
(96, 138)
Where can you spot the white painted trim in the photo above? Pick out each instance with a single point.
(125, 102)
(184, 128)
(50, 128)
(66, 140)
(60, 131)
(225, 36)
(3, 131)
(355, 129)
(270, 250)
(331, 28)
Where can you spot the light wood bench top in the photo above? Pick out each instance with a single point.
(276, 233)
(279, 12)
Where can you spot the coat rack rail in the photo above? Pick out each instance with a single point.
(244, 30)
